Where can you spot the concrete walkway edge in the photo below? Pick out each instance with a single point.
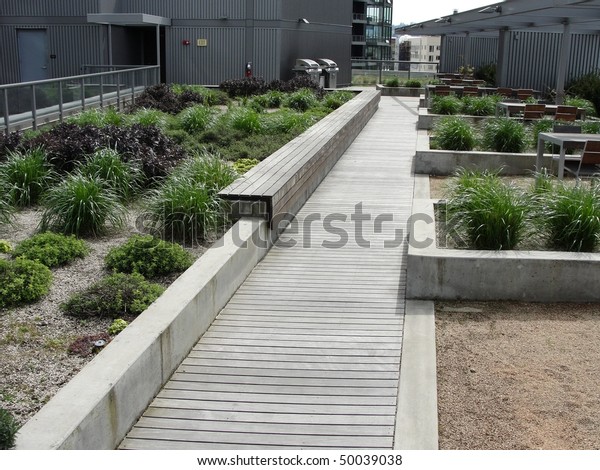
(417, 419)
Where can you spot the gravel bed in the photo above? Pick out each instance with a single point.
(34, 338)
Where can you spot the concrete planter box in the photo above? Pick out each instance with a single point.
(534, 276)
(428, 120)
(400, 91)
(446, 162)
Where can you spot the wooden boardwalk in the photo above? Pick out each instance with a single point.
(307, 352)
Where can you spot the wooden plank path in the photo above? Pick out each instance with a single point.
(307, 353)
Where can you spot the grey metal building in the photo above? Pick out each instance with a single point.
(202, 42)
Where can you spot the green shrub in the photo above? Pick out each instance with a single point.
(243, 165)
(587, 105)
(335, 99)
(454, 133)
(486, 72)
(186, 205)
(51, 249)
(195, 119)
(149, 256)
(287, 120)
(590, 127)
(117, 326)
(491, 214)
(23, 281)
(5, 247)
(392, 82)
(106, 164)
(115, 296)
(150, 117)
(587, 87)
(271, 99)
(82, 206)
(478, 106)
(446, 105)
(301, 100)
(6, 208)
(8, 429)
(26, 175)
(571, 214)
(98, 117)
(246, 120)
(413, 83)
(504, 135)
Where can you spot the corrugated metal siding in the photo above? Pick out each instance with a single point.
(9, 69)
(91, 48)
(267, 53)
(532, 56)
(533, 59)
(90, 41)
(186, 9)
(585, 55)
(48, 8)
(484, 51)
(221, 59)
(267, 9)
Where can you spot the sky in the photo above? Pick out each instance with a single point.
(416, 11)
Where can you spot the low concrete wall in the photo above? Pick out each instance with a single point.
(535, 276)
(400, 91)
(446, 162)
(99, 405)
(428, 121)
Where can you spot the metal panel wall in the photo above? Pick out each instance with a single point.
(484, 51)
(91, 49)
(338, 12)
(533, 59)
(48, 8)
(9, 69)
(585, 55)
(267, 53)
(186, 9)
(222, 58)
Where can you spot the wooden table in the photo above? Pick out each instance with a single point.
(565, 141)
(507, 108)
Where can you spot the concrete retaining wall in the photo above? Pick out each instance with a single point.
(534, 276)
(428, 121)
(99, 405)
(446, 162)
(400, 91)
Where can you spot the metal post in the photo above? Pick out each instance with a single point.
(562, 63)
(33, 108)
(60, 102)
(110, 46)
(132, 87)
(118, 91)
(6, 112)
(503, 50)
(82, 93)
(380, 71)
(101, 91)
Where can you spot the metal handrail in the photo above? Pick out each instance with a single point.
(152, 77)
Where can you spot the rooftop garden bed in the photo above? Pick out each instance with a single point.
(125, 184)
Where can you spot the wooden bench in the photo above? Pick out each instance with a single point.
(279, 186)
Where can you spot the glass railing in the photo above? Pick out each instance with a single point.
(374, 71)
(29, 104)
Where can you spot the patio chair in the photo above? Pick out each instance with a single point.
(566, 113)
(524, 93)
(588, 164)
(470, 91)
(441, 90)
(534, 111)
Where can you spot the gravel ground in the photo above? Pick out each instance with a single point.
(34, 338)
(515, 375)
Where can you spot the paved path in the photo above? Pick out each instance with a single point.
(307, 352)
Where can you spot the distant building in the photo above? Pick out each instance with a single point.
(202, 42)
(420, 49)
(372, 29)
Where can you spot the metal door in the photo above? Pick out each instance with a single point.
(33, 54)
